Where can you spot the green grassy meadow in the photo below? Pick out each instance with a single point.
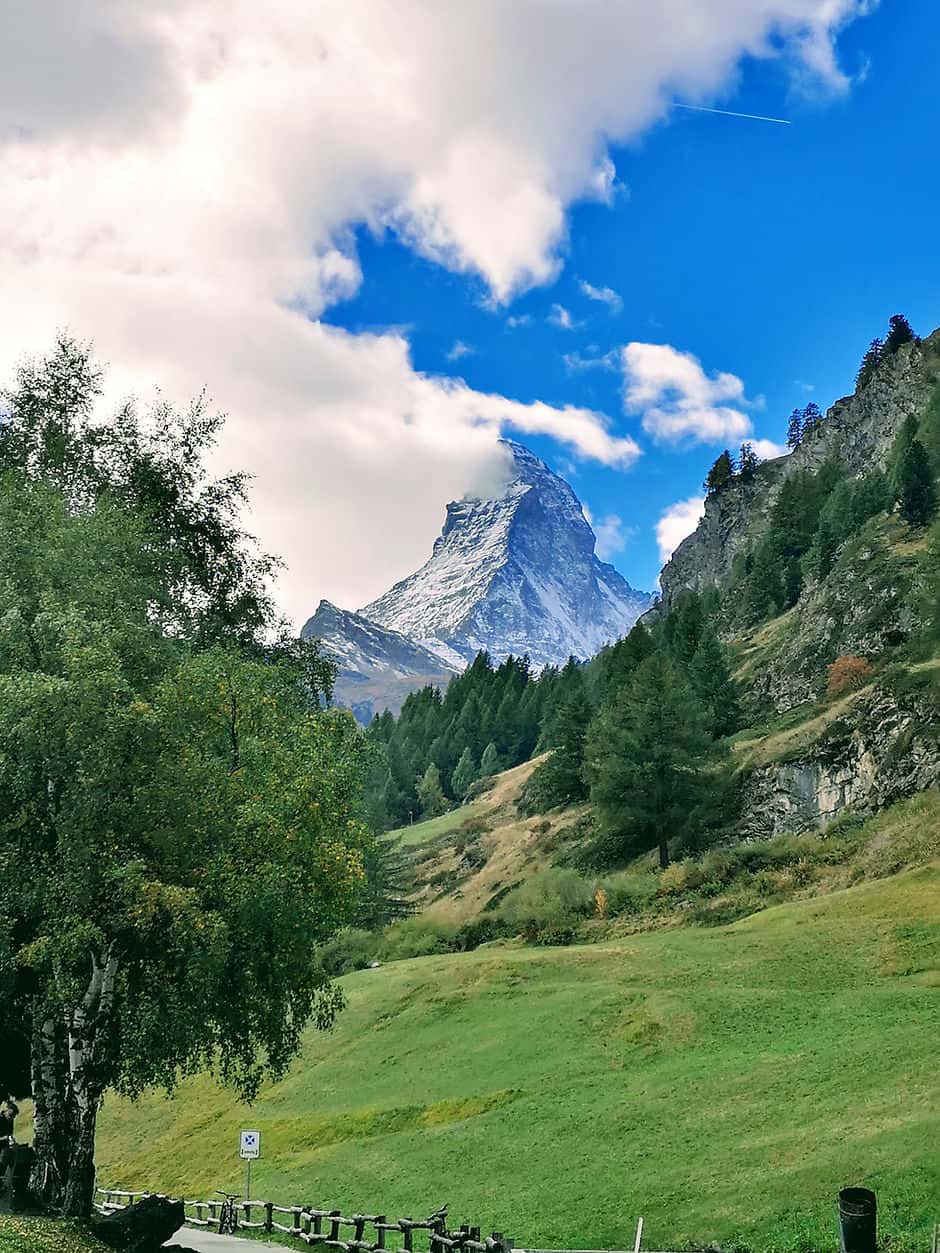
(40, 1235)
(722, 1082)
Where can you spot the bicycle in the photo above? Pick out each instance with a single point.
(228, 1214)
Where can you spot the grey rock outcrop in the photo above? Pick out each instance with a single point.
(885, 748)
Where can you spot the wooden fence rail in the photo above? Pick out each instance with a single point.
(311, 1225)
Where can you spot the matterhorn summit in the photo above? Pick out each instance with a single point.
(515, 573)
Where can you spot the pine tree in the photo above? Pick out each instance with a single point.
(748, 462)
(684, 628)
(765, 592)
(560, 779)
(431, 796)
(795, 429)
(812, 417)
(710, 676)
(916, 493)
(646, 761)
(900, 333)
(836, 524)
(870, 363)
(721, 473)
(871, 496)
(619, 662)
(465, 774)
(489, 762)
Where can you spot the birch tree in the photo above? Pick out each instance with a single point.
(178, 808)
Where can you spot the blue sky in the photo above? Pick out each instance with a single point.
(302, 208)
(772, 252)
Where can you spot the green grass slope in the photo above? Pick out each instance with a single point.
(722, 1082)
(41, 1235)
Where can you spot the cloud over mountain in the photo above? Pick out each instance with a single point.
(183, 179)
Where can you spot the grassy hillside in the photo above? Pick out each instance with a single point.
(466, 858)
(723, 1082)
(39, 1235)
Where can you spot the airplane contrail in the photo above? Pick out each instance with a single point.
(754, 117)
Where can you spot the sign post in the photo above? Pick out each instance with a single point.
(249, 1149)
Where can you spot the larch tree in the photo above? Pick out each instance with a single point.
(647, 762)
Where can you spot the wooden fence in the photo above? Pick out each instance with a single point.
(328, 1227)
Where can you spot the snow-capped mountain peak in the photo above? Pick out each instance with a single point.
(514, 573)
(511, 573)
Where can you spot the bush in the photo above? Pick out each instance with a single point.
(418, 937)
(482, 930)
(846, 674)
(551, 901)
(629, 893)
(350, 949)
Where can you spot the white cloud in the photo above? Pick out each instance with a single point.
(576, 362)
(678, 521)
(182, 181)
(517, 320)
(606, 295)
(612, 536)
(766, 449)
(561, 317)
(678, 400)
(460, 349)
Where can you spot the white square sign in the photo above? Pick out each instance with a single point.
(250, 1145)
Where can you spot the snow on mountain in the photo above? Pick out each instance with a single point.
(517, 574)
(514, 573)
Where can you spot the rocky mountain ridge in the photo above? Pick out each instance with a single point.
(857, 432)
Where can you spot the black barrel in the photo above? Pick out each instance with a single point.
(858, 1220)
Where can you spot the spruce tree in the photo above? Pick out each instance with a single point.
(489, 762)
(620, 661)
(431, 796)
(916, 494)
(710, 676)
(465, 774)
(870, 363)
(646, 762)
(748, 462)
(812, 417)
(871, 495)
(684, 628)
(795, 429)
(721, 473)
(764, 595)
(560, 779)
(900, 333)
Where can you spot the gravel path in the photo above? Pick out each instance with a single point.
(207, 1242)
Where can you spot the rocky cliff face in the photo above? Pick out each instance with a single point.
(514, 573)
(857, 432)
(376, 668)
(886, 746)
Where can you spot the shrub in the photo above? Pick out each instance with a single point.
(481, 930)
(350, 949)
(418, 937)
(630, 893)
(846, 674)
(551, 899)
